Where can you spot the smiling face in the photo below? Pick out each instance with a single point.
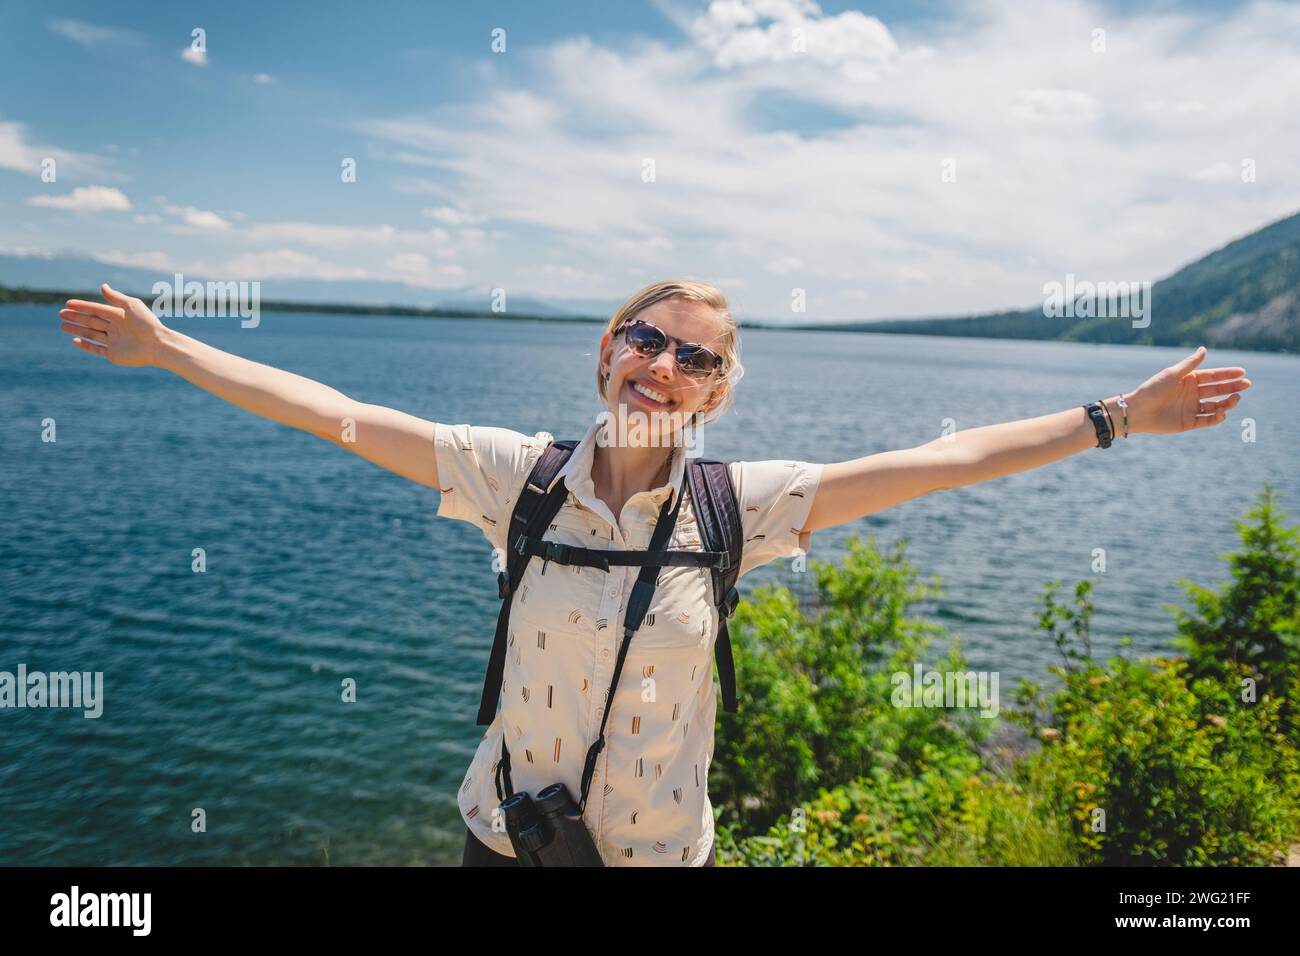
(682, 394)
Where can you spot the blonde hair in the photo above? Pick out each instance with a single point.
(728, 344)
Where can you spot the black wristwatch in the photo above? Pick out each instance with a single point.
(1099, 422)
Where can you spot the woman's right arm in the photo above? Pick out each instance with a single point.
(127, 333)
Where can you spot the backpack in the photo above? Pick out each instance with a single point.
(717, 514)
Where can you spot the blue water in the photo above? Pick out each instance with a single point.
(223, 689)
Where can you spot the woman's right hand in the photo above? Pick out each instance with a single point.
(126, 332)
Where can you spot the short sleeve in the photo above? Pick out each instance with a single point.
(775, 498)
(481, 470)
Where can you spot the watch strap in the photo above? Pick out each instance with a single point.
(1098, 416)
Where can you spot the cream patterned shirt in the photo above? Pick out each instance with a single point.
(648, 804)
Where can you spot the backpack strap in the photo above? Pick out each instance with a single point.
(718, 516)
(533, 511)
(637, 605)
(604, 559)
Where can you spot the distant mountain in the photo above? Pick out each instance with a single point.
(70, 272)
(1245, 295)
(77, 270)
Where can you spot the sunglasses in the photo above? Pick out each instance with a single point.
(647, 340)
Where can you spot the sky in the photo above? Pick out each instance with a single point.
(872, 161)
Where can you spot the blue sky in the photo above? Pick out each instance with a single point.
(906, 159)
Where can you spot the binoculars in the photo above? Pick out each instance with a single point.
(549, 831)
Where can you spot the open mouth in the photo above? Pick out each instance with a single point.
(651, 395)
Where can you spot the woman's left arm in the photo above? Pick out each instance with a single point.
(1177, 399)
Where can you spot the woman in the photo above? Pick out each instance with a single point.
(668, 362)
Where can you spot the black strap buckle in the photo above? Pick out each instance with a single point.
(729, 602)
(555, 551)
(503, 585)
(725, 563)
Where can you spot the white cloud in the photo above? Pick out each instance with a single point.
(262, 79)
(734, 32)
(1220, 172)
(436, 239)
(435, 234)
(320, 234)
(1062, 163)
(198, 220)
(17, 153)
(784, 266)
(559, 281)
(86, 199)
(414, 159)
(195, 56)
(523, 110)
(566, 273)
(408, 262)
(140, 260)
(1048, 106)
(91, 35)
(647, 247)
(287, 264)
(1115, 165)
(450, 217)
(416, 269)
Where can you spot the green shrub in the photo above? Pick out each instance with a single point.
(1152, 767)
(1189, 762)
(815, 689)
(1255, 618)
(946, 813)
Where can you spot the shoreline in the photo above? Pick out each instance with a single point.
(22, 295)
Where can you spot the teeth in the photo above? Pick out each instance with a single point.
(655, 396)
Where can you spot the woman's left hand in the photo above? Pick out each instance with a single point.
(1180, 397)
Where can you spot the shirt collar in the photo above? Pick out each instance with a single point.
(576, 472)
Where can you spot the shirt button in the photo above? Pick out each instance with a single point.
(604, 653)
(613, 592)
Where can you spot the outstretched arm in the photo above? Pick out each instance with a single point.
(127, 333)
(1176, 399)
